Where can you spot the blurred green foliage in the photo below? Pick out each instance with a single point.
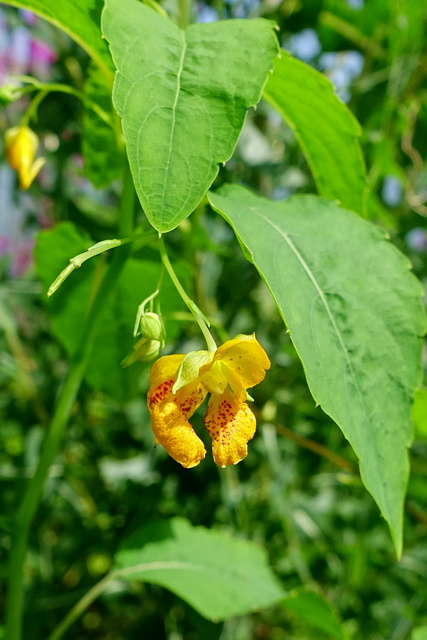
(298, 493)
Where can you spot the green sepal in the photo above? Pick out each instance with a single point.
(189, 368)
(144, 350)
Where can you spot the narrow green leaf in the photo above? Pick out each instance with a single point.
(77, 261)
(324, 127)
(314, 609)
(69, 305)
(80, 19)
(355, 317)
(183, 97)
(219, 576)
(103, 156)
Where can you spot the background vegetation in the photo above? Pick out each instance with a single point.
(298, 493)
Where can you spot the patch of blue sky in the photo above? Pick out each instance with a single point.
(342, 68)
(391, 192)
(304, 45)
(205, 13)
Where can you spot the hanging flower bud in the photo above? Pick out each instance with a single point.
(151, 326)
(143, 351)
(152, 339)
(21, 148)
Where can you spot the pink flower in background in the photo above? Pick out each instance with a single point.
(42, 57)
(30, 18)
(21, 53)
(5, 245)
(22, 257)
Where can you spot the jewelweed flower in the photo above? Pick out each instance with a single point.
(21, 148)
(179, 384)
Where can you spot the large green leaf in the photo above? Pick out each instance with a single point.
(324, 127)
(355, 317)
(80, 19)
(68, 306)
(219, 576)
(183, 97)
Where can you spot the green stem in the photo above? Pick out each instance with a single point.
(80, 607)
(66, 399)
(184, 10)
(99, 587)
(32, 109)
(195, 311)
(47, 87)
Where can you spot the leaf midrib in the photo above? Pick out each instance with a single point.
(173, 126)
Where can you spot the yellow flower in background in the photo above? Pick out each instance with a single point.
(21, 148)
(179, 385)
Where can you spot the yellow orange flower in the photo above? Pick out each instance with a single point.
(170, 412)
(21, 148)
(179, 385)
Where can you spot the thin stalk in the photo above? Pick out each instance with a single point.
(80, 607)
(184, 11)
(32, 109)
(48, 87)
(193, 308)
(91, 595)
(65, 402)
(317, 448)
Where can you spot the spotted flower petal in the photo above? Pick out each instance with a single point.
(242, 363)
(170, 412)
(173, 431)
(231, 424)
(162, 376)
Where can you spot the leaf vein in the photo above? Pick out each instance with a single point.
(322, 297)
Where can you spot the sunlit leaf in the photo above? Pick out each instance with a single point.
(355, 317)
(183, 97)
(324, 127)
(219, 576)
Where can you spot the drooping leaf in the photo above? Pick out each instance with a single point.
(80, 19)
(67, 307)
(219, 576)
(314, 609)
(324, 127)
(103, 156)
(183, 97)
(355, 317)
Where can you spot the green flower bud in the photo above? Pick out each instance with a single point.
(151, 326)
(144, 351)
